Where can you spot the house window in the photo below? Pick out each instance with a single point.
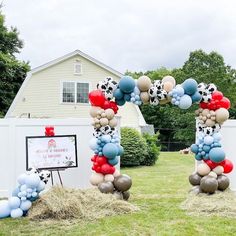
(78, 68)
(75, 92)
(82, 92)
(68, 94)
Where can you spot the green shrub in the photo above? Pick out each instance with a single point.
(135, 147)
(153, 149)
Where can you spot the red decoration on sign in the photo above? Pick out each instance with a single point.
(49, 131)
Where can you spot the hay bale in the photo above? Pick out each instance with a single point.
(218, 204)
(64, 203)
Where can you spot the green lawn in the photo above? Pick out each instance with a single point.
(158, 191)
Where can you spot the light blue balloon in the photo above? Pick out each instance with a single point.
(40, 187)
(25, 206)
(194, 148)
(34, 194)
(185, 102)
(5, 209)
(110, 150)
(132, 99)
(118, 94)
(21, 179)
(32, 181)
(16, 213)
(217, 137)
(23, 187)
(137, 97)
(23, 198)
(106, 138)
(15, 192)
(113, 161)
(14, 202)
(217, 154)
(179, 90)
(177, 103)
(208, 140)
(136, 91)
(93, 143)
(196, 97)
(190, 86)
(127, 84)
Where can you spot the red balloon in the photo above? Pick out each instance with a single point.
(107, 169)
(97, 98)
(101, 160)
(212, 105)
(228, 166)
(217, 95)
(203, 105)
(225, 103)
(211, 164)
(110, 104)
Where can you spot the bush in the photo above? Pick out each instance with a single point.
(153, 149)
(135, 147)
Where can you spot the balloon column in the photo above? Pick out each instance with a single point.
(28, 190)
(105, 143)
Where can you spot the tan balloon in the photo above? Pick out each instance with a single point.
(98, 125)
(104, 121)
(109, 113)
(218, 170)
(222, 115)
(93, 111)
(168, 86)
(213, 174)
(210, 122)
(116, 173)
(96, 178)
(169, 78)
(96, 121)
(113, 122)
(109, 178)
(145, 97)
(144, 83)
(205, 112)
(103, 115)
(203, 169)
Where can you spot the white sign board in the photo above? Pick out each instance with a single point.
(55, 152)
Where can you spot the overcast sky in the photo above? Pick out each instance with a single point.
(125, 34)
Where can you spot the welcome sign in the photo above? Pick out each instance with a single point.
(55, 152)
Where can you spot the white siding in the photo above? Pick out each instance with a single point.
(41, 96)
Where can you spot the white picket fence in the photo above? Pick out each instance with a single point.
(13, 149)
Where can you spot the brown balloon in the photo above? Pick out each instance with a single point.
(194, 179)
(223, 182)
(106, 187)
(208, 184)
(126, 195)
(122, 183)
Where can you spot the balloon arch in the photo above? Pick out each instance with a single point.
(212, 112)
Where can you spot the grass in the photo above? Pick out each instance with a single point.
(158, 191)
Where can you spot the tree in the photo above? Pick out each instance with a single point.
(177, 125)
(12, 71)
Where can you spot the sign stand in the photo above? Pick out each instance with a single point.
(59, 175)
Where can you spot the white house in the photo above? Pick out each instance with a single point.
(59, 89)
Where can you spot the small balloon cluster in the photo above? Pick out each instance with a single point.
(30, 185)
(106, 141)
(212, 113)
